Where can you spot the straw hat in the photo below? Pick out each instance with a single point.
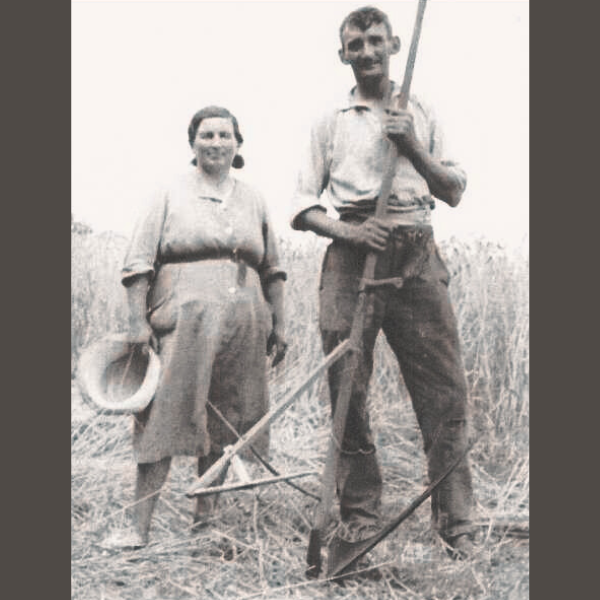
(118, 376)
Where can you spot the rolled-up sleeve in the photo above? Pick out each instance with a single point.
(438, 150)
(143, 248)
(269, 269)
(313, 175)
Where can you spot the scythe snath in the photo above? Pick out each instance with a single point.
(313, 557)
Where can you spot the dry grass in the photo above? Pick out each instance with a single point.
(255, 547)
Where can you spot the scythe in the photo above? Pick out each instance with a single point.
(313, 557)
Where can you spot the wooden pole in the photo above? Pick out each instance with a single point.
(313, 557)
(211, 474)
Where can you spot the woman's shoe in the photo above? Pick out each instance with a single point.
(124, 539)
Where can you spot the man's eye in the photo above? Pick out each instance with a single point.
(225, 135)
(354, 46)
(206, 136)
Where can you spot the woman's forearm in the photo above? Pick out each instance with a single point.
(274, 295)
(137, 291)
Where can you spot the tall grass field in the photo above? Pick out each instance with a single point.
(255, 545)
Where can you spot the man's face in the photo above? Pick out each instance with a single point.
(368, 52)
(215, 144)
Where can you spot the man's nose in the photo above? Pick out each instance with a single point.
(368, 50)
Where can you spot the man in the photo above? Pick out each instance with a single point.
(346, 161)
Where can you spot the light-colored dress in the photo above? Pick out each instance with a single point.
(208, 259)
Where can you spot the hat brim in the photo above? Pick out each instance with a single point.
(117, 376)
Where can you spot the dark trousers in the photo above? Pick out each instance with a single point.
(420, 327)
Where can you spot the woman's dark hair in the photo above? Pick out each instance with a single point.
(363, 18)
(210, 112)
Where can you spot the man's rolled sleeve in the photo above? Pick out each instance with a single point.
(437, 150)
(313, 175)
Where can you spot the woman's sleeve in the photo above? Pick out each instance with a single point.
(269, 268)
(142, 254)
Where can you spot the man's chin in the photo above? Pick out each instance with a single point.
(372, 73)
(371, 77)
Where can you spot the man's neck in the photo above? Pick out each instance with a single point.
(374, 93)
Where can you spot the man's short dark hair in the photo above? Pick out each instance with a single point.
(363, 18)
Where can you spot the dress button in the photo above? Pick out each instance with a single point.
(231, 290)
(229, 230)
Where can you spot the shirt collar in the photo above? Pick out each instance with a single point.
(353, 102)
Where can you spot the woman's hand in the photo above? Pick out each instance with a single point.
(140, 332)
(276, 346)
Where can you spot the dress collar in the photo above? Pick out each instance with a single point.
(212, 194)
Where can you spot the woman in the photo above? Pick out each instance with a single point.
(204, 287)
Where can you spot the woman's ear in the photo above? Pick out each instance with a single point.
(238, 160)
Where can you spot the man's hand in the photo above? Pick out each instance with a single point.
(277, 346)
(399, 126)
(372, 233)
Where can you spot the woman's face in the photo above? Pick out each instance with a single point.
(215, 145)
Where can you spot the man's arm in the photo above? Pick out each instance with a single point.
(442, 180)
(371, 234)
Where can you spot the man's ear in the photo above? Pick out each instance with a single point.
(395, 45)
(342, 55)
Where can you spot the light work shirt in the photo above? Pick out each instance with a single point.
(344, 164)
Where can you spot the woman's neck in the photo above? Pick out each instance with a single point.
(215, 185)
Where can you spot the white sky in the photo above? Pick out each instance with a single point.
(141, 69)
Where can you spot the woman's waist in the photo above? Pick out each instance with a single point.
(235, 255)
(207, 278)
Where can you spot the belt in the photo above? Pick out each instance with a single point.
(232, 255)
(398, 229)
(421, 207)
